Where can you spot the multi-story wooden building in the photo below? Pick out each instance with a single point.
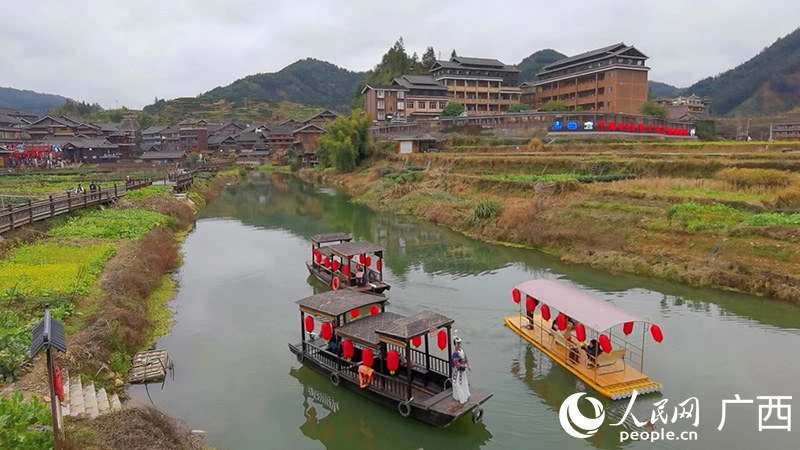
(786, 131)
(483, 86)
(193, 135)
(424, 96)
(384, 103)
(609, 79)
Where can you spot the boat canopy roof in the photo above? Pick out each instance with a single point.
(414, 325)
(348, 249)
(334, 303)
(592, 312)
(330, 237)
(363, 330)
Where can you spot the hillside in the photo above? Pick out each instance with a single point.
(662, 89)
(308, 81)
(766, 84)
(222, 110)
(28, 100)
(535, 62)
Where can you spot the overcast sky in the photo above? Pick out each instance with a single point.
(130, 52)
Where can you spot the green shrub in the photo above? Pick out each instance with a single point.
(18, 420)
(485, 209)
(768, 219)
(14, 343)
(148, 191)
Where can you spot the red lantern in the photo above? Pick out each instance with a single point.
(641, 128)
(368, 261)
(655, 330)
(309, 324)
(650, 128)
(374, 310)
(612, 126)
(367, 358)
(347, 349)
(605, 343)
(392, 360)
(627, 328)
(326, 332)
(561, 321)
(378, 266)
(416, 341)
(545, 312)
(600, 125)
(318, 257)
(530, 303)
(361, 258)
(620, 126)
(441, 339)
(580, 332)
(354, 313)
(335, 265)
(326, 262)
(515, 295)
(346, 270)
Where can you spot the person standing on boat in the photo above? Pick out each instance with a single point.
(460, 363)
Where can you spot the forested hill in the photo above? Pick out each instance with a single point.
(29, 100)
(663, 89)
(535, 62)
(308, 81)
(768, 83)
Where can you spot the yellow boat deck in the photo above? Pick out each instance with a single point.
(616, 380)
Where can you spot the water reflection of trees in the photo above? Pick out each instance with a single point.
(338, 418)
(286, 202)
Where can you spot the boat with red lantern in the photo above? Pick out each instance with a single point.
(398, 361)
(560, 320)
(345, 264)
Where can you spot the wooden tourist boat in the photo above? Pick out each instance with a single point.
(368, 337)
(338, 263)
(551, 307)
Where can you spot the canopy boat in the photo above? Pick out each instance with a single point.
(379, 354)
(560, 320)
(347, 264)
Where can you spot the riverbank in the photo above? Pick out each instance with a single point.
(695, 216)
(105, 274)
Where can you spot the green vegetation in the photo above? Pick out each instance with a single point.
(653, 109)
(698, 217)
(52, 270)
(555, 177)
(14, 345)
(224, 110)
(533, 64)
(555, 105)
(128, 223)
(452, 109)
(346, 144)
(519, 107)
(28, 100)
(157, 310)
(770, 219)
(484, 210)
(308, 81)
(160, 191)
(659, 89)
(19, 420)
(765, 84)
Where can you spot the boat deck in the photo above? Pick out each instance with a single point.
(616, 382)
(444, 403)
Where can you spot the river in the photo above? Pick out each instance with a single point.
(243, 269)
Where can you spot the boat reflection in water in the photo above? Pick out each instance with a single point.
(339, 419)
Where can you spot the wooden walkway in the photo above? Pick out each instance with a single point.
(15, 216)
(149, 366)
(618, 382)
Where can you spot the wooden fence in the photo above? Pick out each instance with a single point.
(15, 216)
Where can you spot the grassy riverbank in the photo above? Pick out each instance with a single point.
(104, 271)
(696, 215)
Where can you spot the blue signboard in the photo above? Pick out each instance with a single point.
(572, 125)
(557, 125)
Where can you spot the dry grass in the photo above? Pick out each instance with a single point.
(122, 318)
(745, 178)
(130, 429)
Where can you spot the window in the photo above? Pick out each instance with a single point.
(432, 105)
(442, 105)
(401, 106)
(410, 104)
(381, 116)
(401, 94)
(610, 89)
(421, 105)
(381, 94)
(609, 103)
(381, 104)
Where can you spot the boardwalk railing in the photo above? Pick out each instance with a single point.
(15, 216)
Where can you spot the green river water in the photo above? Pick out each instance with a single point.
(235, 313)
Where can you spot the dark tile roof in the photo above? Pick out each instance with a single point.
(466, 60)
(419, 82)
(217, 139)
(338, 302)
(279, 129)
(309, 128)
(163, 155)
(355, 248)
(155, 129)
(600, 53)
(363, 329)
(106, 126)
(414, 325)
(462, 62)
(331, 237)
(326, 112)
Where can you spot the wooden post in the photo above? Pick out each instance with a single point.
(85, 198)
(53, 405)
(449, 352)
(408, 367)
(115, 190)
(69, 201)
(11, 215)
(30, 210)
(52, 207)
(427, 353)
(302, 333)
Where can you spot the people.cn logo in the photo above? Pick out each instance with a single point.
(574, 422)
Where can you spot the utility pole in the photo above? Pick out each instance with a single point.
(770, 131)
